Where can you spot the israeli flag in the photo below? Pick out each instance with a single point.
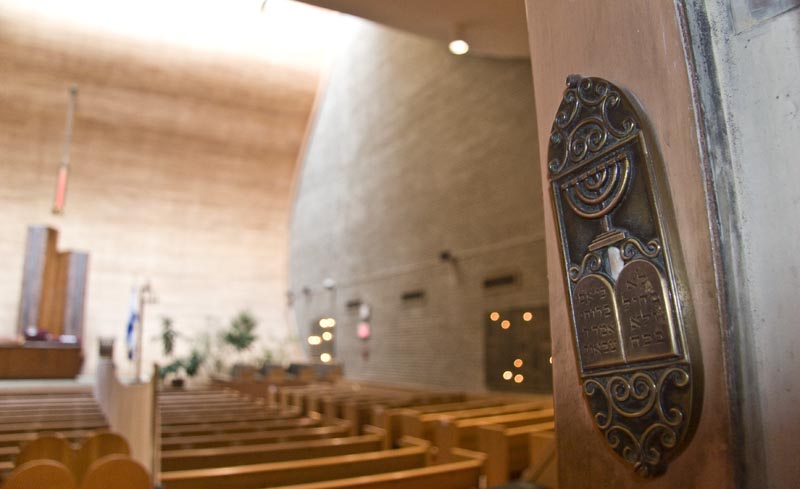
(133, 318)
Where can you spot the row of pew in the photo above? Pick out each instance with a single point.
(60, 441)
(254, 435)
(25, 416)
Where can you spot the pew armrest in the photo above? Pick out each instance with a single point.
(380, 432)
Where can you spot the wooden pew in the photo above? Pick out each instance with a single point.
(275, 452)
(413, 423)
(389, 418)
(238, 426)
(47, 447)
(45, 417)
(507, 450)
(254, 437)
(359, 409)
(265, 390)
(463, 473)
(226, 418)
(67, 425)
(96, 447)
(543, 469)
(16, 439)
(76, 460)
(219, 406)
(300, 471)
(117, 472)
(450, 433)
(40, 474)
(8, 454)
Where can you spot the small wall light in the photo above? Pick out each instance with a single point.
(458, 45)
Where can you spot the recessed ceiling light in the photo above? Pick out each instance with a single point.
(458, 47)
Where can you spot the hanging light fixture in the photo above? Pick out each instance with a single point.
(63, 167)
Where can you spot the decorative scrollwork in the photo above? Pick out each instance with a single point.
(611, 121)
(592, 262)
(631, 245)
(628, 124)
(641, 414)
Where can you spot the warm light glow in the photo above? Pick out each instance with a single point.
(507, 375)
(518, 362)
(551, 360)
(327, 336)
(327, 322)
(494, 316)
(505, 324)
(314, 340)
(459, 47)
(527, 316)
(325, 357)
(518, 378)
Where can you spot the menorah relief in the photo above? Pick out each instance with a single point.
(632, 329)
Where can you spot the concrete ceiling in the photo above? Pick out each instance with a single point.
(495, 28)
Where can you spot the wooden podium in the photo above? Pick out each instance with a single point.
(51, 308)
(40, 360)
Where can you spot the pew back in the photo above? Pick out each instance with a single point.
(507, 449)
(297, 472)
(37, 474)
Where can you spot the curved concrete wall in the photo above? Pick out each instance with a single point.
(415, 151)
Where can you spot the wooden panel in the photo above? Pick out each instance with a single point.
(76, 293)
(637, 45)
(40, 243)
(40, 361)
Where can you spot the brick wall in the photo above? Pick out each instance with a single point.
(415, 151)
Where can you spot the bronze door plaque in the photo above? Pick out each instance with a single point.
(633, 329)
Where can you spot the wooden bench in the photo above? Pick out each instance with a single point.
(420, 425)
(16, 439)
(41, 474)
(77, 460)
(67, 425)
(238, 426)
(507, 450)
(389, 417)
(299, 471)
(463, 473)
(117, 472)
(173, 460)
(46, 417)
(226, 418)
(265, 390)
(359, 409)
(463, 433)
(543, 468)
(255, 437)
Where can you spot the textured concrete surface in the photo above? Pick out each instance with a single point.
(758, 69)
(416, 151)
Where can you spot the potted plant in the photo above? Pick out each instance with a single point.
(168, 337)
(191, 365)
(172, 368)
(240, 335)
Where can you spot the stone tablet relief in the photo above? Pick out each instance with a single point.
(596, 322)
(644, 317)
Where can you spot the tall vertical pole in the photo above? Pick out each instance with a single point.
(144, 293)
